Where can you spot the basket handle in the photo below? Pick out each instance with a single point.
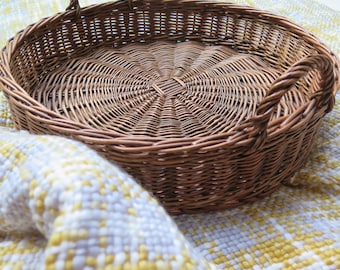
(324, 97)
(74, 4)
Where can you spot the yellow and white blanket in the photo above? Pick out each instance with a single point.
(62, 206)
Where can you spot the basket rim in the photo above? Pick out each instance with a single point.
(261, 14)
(239, 135)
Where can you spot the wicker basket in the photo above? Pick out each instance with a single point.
(208, 104)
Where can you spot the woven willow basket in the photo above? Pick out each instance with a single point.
(208, 104)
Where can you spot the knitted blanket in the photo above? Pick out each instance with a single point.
(62, 206)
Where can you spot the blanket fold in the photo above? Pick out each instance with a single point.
(76, 211)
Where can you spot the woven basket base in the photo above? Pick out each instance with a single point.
(162, 89)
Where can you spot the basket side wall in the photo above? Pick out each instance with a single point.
(207, 180)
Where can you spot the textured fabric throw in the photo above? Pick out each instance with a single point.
(62, 206)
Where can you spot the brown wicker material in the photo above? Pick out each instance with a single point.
(208, 104)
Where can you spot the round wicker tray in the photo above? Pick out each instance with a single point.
(208, 104)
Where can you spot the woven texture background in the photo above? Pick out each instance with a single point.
(64, 207)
